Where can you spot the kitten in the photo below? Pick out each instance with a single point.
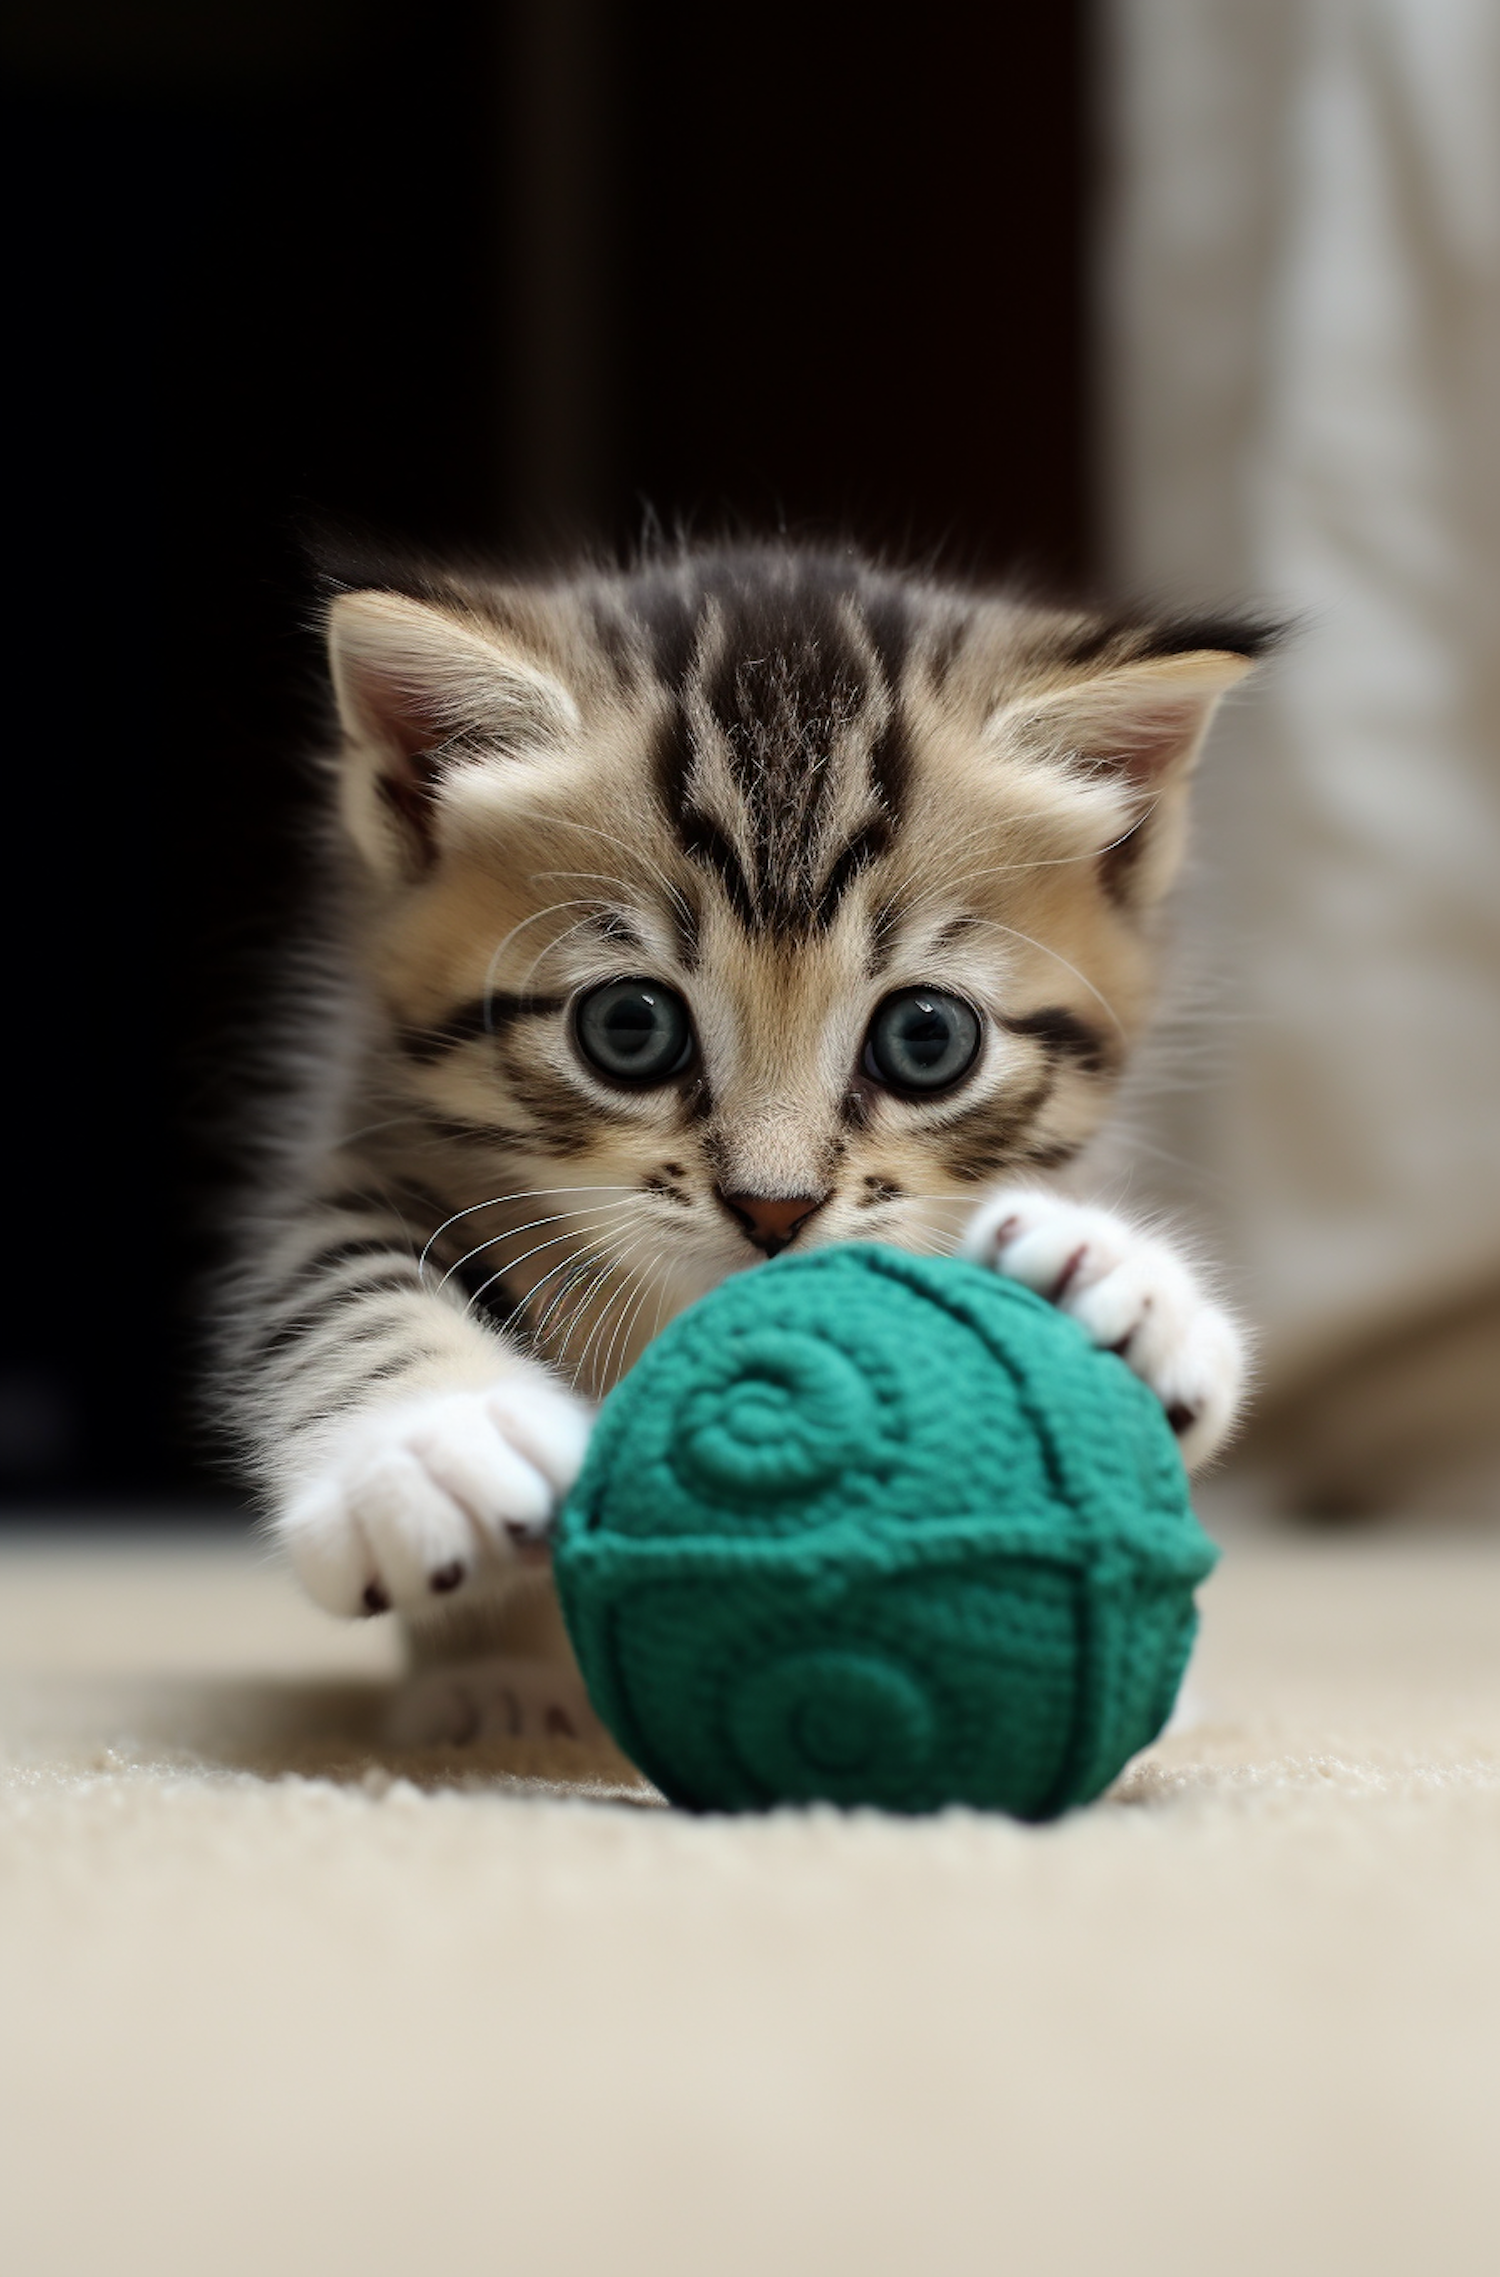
(752, 899)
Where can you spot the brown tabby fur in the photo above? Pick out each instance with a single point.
(784, 782)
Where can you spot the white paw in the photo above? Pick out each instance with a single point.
(478, 1700)
(417, 1500)
(1133, 1294)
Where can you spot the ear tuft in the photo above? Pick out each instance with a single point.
(1134, 730)
(415, 690)
(1142, 723)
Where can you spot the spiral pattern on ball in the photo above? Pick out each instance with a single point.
(776, 1416)
(835, 1723)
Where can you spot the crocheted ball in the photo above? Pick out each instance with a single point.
(880, 1529)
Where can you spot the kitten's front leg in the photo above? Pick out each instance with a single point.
(411, 1451)
(1133, 1293)
(415, 1499)
(413, 1504)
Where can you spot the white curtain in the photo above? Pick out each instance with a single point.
(1302, 286)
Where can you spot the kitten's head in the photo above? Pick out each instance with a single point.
(772, 895)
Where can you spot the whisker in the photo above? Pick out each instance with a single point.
(519, 1233)
(925, 1243)
(492, 968)
(620, 1295)
(580, 1307)
(599, 877)
(582, 1259)
(626, 1329)
(551, 948)
(571, 822)
(625, 887)
(521, 1194)
(1199, 1173)
(579, 1261)
(946, 848)
(515, 1263)
(627, 1250)
(660, 1303)
(645, 1276)
(368, 1130)
(993, 925)
(592, 1250)
(580, 1365)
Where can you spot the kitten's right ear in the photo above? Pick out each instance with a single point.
(417, 694)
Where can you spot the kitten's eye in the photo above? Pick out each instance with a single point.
(634, 1031)
(922, 1040)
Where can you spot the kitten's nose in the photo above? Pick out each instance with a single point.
(771, 1221)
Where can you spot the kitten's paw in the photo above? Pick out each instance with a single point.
(477, 1700)
(417, 1500)
(1133, 1294)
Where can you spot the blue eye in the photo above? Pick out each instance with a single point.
(635, 1032)
(922, 1040)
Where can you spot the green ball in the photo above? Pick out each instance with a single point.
(880, 1529)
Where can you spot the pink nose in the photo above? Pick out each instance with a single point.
(772, 1221)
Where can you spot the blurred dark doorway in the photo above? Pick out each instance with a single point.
(493, 275)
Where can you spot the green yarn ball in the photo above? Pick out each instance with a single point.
(879, 1529)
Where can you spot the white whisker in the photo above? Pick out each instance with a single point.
(583, 1258)
(593, 1250)
(660, 1305)
(550, 949)
(632, 1249)
(514, 1265)
(627, 1264)
(492, 968)
(993, 925)
(521, 1194)
(627, 1326)
(571, 822)
(532, 1225)
(579, 1310)
(368, 1130)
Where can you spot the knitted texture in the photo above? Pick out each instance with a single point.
(880, 1529)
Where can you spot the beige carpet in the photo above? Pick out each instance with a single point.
(272, 2003)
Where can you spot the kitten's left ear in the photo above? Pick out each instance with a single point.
(1138, 730)
(413, 685)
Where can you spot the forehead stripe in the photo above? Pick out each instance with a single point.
(865, 847)
(704, 842)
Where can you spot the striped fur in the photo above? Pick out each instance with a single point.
(784, 784)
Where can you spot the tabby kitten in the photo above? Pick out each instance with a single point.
(752, 899)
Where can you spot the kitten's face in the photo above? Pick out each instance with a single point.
(753, 902)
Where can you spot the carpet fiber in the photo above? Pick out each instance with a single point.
(272, 2000)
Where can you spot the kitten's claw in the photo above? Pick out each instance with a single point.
(417, 1500)
(1133, 1294)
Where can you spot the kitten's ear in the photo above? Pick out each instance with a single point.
(417, 693)
(1142, 723)
(1136, 730)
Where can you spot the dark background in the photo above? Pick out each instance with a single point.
(501, 276)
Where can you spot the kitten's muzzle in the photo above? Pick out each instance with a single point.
(771, 1221)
